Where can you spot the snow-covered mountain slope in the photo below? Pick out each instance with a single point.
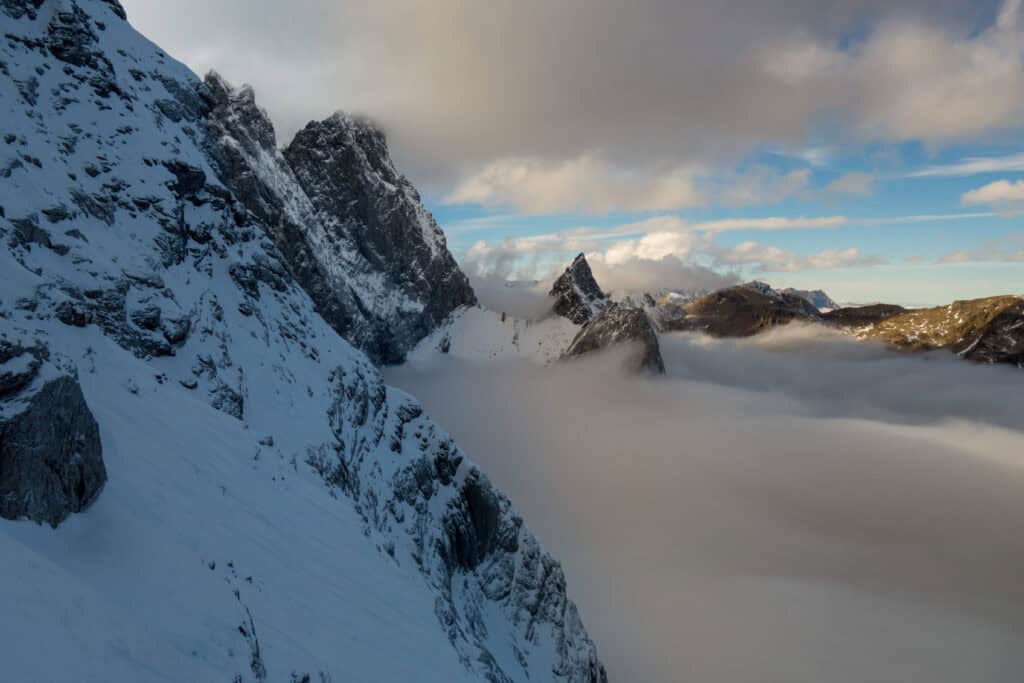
(272, 510)
(479, 334)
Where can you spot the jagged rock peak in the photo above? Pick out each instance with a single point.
(617, 325)
(352, 229)
(241, 103)
(577, 294)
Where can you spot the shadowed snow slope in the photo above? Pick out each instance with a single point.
(272, 509)
(797, 506)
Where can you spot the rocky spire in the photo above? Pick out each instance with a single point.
(577, 294)
(352, 229)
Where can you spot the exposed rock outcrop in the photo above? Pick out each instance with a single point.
(577, 294)
(739, 311)
(51, 459)
(465, 534)
(352, 230)
(621, 325)
(989, 330)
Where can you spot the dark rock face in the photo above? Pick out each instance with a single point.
(350, 227)
(375, 214)
(51, 460)
(740, 311)
(1001, 340)
(989, 330)
(577, 294)
(617, 325)
(859, 316)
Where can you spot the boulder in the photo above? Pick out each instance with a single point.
(51, 459)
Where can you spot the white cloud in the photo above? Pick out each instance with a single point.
(771, 223)
(910, 79)
(775, 260)
(655, 246)
(585, 184)
(856, 183)
(646, 242)
(973, 166)
(997, 193)
(762, 186)
(672, 271)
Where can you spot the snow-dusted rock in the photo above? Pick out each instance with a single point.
(352, 230)
(621, 325)
(360, 543)
(577, 294)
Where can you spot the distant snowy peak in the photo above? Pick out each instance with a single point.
(816, 297)
(763, 288)
(352, 229)
(577, 294)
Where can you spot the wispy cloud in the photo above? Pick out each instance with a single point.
(972, 166)
(855, 183)
(1000, 193)
(770, 259)
(586, 184)
(1008, 249)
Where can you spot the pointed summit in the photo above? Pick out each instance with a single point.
(577, 294)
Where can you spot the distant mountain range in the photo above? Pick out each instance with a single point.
(987, 330)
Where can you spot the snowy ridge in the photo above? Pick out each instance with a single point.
(479, 334)
(352, 230)
(273, 511)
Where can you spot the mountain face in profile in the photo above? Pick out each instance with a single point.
(577, 294)
(353, 231)
(237, 494)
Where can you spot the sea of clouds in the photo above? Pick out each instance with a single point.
(795, 507)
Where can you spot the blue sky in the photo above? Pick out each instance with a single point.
(931, 245)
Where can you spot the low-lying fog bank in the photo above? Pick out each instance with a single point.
(797, 507)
